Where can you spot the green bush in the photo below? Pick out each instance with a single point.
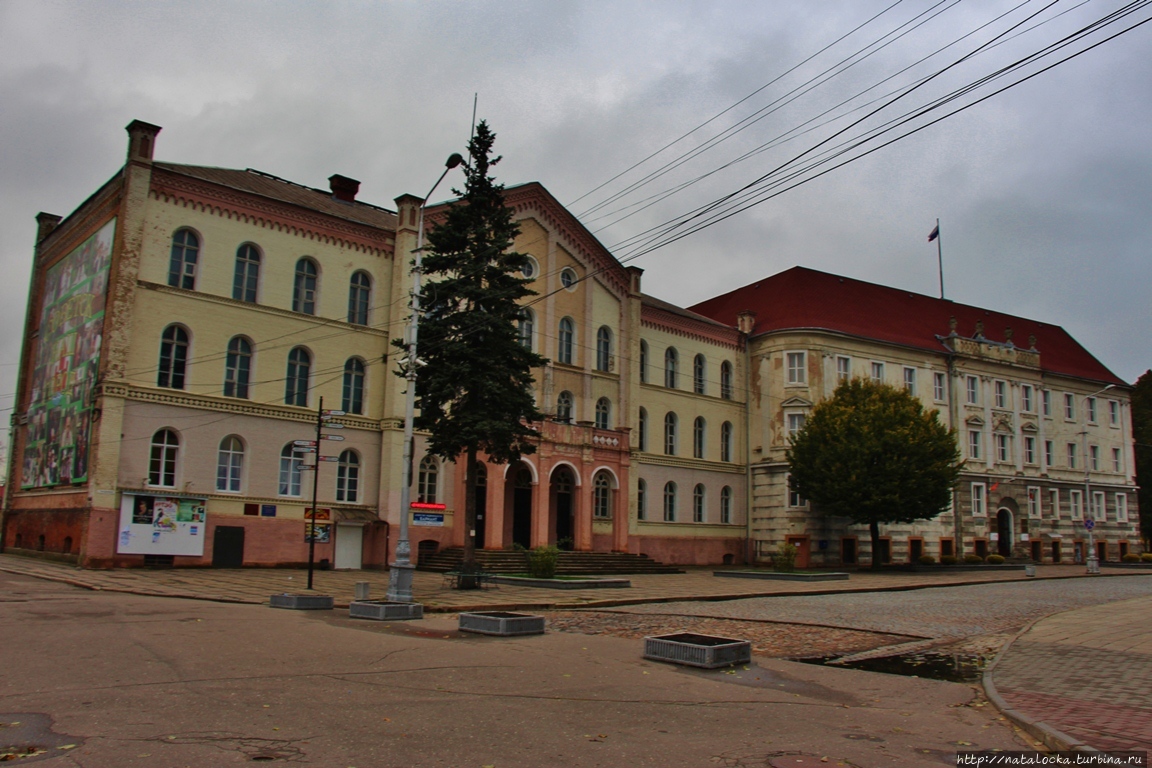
(995, 559)
(784, 558)
(973, 559)
(926, 560)
(517, 547)
(542, 562)
(1130, 558)
(565, 543)
(948, 560)
(1146, 557)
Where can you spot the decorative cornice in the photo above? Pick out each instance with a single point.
(670, 322)
(204, 196)
(659, 460)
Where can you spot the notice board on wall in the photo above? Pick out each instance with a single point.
(161, 525)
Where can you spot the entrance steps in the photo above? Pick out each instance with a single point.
(568, 564)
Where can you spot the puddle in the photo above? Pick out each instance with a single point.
(952, 667)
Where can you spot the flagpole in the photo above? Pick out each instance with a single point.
(940, 256)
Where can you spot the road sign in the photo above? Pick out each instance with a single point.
(1089, 523)
(327, 458)
(334, 413)
(331, 437)
(303, 442)
(333, 426)
(304, 449)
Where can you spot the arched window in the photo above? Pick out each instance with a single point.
(564, 406)
(726, 504)
(237, 367)
(726, 441)
(726, 380)
(290, 471)
(670, 433)
(698, 503)
(296, 381)
(526, 325)
(642, 432)
(603, 413)
(353, 397)
(162, 462)
(641, 499)
(426, 485)
(604, 349)
(246, 278)
(670, 360)
(359, 298)
(173, 357)
(230, 464)
(566, 341)
(304, 287)
(698, 428)
(602, 495)
(643, 362)
(669, 502)
(348, 477)
(699, 374)
(182, 264)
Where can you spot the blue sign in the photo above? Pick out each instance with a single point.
(428, 518)
(1089, 524)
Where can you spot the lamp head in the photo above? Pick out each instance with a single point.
(454, 160)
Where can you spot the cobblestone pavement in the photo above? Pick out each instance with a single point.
(1087, 673)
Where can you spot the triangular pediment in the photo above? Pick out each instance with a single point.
(796, 402)
(1029, 428)
(974, 421)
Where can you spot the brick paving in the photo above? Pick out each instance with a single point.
(1087, 673)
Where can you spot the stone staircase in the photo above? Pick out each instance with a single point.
(569, 563)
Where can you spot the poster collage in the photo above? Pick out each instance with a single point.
(161, 525)
(67, 360)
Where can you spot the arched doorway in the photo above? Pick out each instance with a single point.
(520, 490)
(1004, 530)
(481, 502)
(563, 488)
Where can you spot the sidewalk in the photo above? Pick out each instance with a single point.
(255, 585)
(1081, 678)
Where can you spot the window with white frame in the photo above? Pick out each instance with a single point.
(699, 374)
(698, 500)
(938, 383)
(726, 441)
(974, 440)
(1033, 501)
(1091, 402)
(1029, 450)
(979, 505)
(566, 341)
(1116, 459)
(1076, 504)
(1069, 406)
(843, 368)
(525, 327)
(1054, 496)
(797, 367)
(795, 424)
(1049, 452)
(641, 499)
(602, 496)
(1026, 403)
(1121, 507)
(1000, 390)
(1099, 513)
(972, 390)
(726, 380)
(1114, 413)
(604, 348)
(698, 435)
(1046, 401)
(878, 372)
(291, 469)
(162, 459)
(348, 477)
(1003, 448)
(726, 504)
(643, 362)
(1071, 455)
(603, 414)
(182, 264)
(564, 406)
(670, 361)
(230, 464)
(910, 381)
(669, 502)
(428, 480)
(795, 500)
(304, 287)
(1094, 457)
(642, 432)
(670, 433)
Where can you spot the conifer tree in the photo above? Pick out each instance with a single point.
(1142, 435)
(474, 387)
(873, 454)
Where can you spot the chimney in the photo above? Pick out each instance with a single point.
(141, 140)
(746, 321)
(343, 188)
(45, 223)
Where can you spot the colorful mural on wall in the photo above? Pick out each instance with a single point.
(66, 364)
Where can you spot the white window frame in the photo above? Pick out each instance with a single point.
(1076, 504)
(1121, 507)
(1046, 402)
(843, 368)
(794, 422)
(1094, 457)
(1049, 452)
(1000, 394)
(1029, 449)
(939, 386)
(877, 370)
(1114, 413)
(910, 380)
(794, 499)
(1034, 507)
(1069, 406)
(1027, 401)
(1054, 499)
(1090, 402)
(1117, 460)
(1003, 448)
(979, 500)
(796, 362)
(1070, 454)
(1099, 507)
(975, 438)
(726, 505)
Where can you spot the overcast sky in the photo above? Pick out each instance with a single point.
(1044, 191)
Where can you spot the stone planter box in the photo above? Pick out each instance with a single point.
(694, 650)
(593, 583)
(501, 623)
(302, 602)
(382, 610)
(773, 575)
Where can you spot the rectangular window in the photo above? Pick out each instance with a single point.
(1026, 403)
(1091, 410)
(843, 368)
(795, 424)
(978, 493)
(795, 500)
(1001, 390)
(1099, 513)
(973, 443)
(938, 387)
(1003, 448)
(878, 372)
(910, 381)
(1076, 504)
(797, 368)
(1029, 450)
(1054, 495)
(1046, 401)
(1071, 455)
(972, 390)
(1069, 406)
(1033, 502)
(1115, 459)
(1121, 507)
(1049, 453)
(1114, 413)
(1094, 455)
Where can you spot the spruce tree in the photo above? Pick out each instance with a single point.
(873, 454)
(474, 388)
(1142, 435)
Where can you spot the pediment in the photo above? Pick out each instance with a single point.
(974, 421)
(1029, 427)
(796, 402)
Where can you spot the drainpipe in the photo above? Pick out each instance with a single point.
(747, 448)
(957, 527)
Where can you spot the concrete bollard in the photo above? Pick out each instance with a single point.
(361, 590)
(1029, 570)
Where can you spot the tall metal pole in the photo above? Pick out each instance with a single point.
(315, 492)
(940, 256)
(400, 577)
(1093, 562)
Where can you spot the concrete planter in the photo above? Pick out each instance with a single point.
(775, 576)
(302, 602)
(501, 623)
(527, 581)
(694, 650)
(382, 610)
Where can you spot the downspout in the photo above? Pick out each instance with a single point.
(747, 447)
(957, 528)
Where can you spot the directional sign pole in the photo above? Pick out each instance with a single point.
(315, 493)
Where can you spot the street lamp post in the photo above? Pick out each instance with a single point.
(1092, 560)
(400, 579)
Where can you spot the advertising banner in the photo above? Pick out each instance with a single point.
(65, 365)
(161, 525)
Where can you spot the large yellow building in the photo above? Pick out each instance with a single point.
(185, 322)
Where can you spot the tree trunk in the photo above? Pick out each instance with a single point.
(470, 512)
(874, 529)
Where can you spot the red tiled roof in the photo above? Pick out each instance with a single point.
(801, 298)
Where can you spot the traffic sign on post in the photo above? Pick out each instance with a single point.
(1089, 523)
(303, 442)
(331, 437)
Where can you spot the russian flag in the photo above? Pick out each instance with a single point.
(935, 233)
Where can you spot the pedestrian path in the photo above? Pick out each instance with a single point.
(1082, 677)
